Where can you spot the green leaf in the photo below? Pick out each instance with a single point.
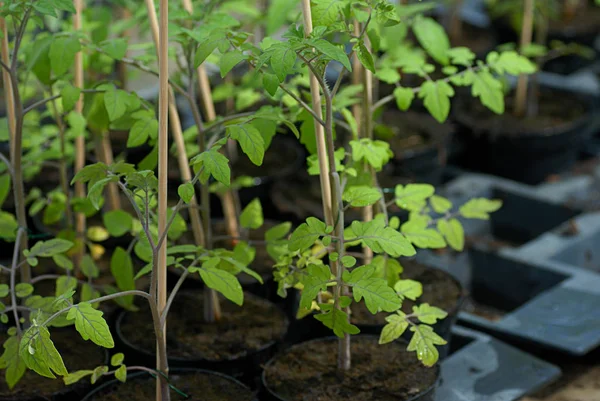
(359, 196)
(395, 327)
(410, 289)
(336, 53)
(489, 90)
(74, 377)
(380, 238)
(95, 192)
(306, 234)
(214, 164)
(121, 374)
(98, 373)
(347, 260)
(230, 60)
(65, 287)
(454, 233)
(326, 12)
(432, 37)
(8, 226)
(365, 57)
(436, 97)
(186, 192)
(70, 95)
(282, 61)
(4, 290)
(336, 320)
(91, 325)
(252, 215)
(117, 359)
(461, 56)
(62, 54)
(376, 153)
(50, 248)
(121, 268)
(115, 47)
(117, 222)
(206, 48)
(424, 341)
(116, 101)
(252, 143)
(270, 83)
(404, 97)
(314, 282)
(39, 353)
(376, 292)
(421, 236)
(12, 362)
(413, 197)
(23, 290)
(63, 261)
(141, 130)
(278, 232)
(5, 186)
(428, 314)
(440, 204)
(512, 63)
(480, 208)
(223, 282)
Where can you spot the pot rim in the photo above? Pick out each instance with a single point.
(247, 354)
(265, 385)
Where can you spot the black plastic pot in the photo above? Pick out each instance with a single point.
(244, 368)
(109, 386)
(530, 156)
(443, 327)
(269, 395)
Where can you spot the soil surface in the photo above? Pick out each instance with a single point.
(379, 372)
(77, 355)
(198, 386)
(240, 331)
(484, 311)
(440, 289)
(552, 114)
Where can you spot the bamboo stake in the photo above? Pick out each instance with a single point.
(8, 89)
(175, 123)
(80, 140)
(163, 153)
(526, 38)
(319, 129)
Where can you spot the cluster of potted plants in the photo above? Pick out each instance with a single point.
(127, 230)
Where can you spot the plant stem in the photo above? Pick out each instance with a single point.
(319, 131)
(8, 90)
(13, 274)
(79, 141)
(526, 38)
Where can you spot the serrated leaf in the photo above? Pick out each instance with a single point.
(440, 204)
(421, 236)
(410, 289)
(62, 54)
(404, 97)
(214, 164)
(326, 12)
(252, 143)
(39, 353)
(454, 233)
(436, 98)
(252, 215)
(423, 342)
(413, 197)
(117, 222)
(433, 38)
(223, 282)
(513, 63)
(121, 267)
(206, 48)
(480, 208)
(376, 153)
(380, 238)
(395, 327)
(12, 362)
(377, 294)
(282, 61)
(314, 282)
(489, 90)
(91, 325)
(428, 314)
(115, 47)
(360, 196)
(141, 130)
(115, 101)
(336, 320)
(306, 234)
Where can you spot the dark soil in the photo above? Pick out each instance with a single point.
(553, 114)
(198, 386)
(77, 355)
(479, 40)
(242, 330)
(440, 289)
(308, 372)
(484, 311)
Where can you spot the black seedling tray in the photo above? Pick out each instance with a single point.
(481, 368)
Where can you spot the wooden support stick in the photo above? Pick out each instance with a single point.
(8, 89)
(79, 140)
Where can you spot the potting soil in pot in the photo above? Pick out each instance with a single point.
(77, 355)
(440, 289)
(198, 386)
(241, 330)
(308, 372)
